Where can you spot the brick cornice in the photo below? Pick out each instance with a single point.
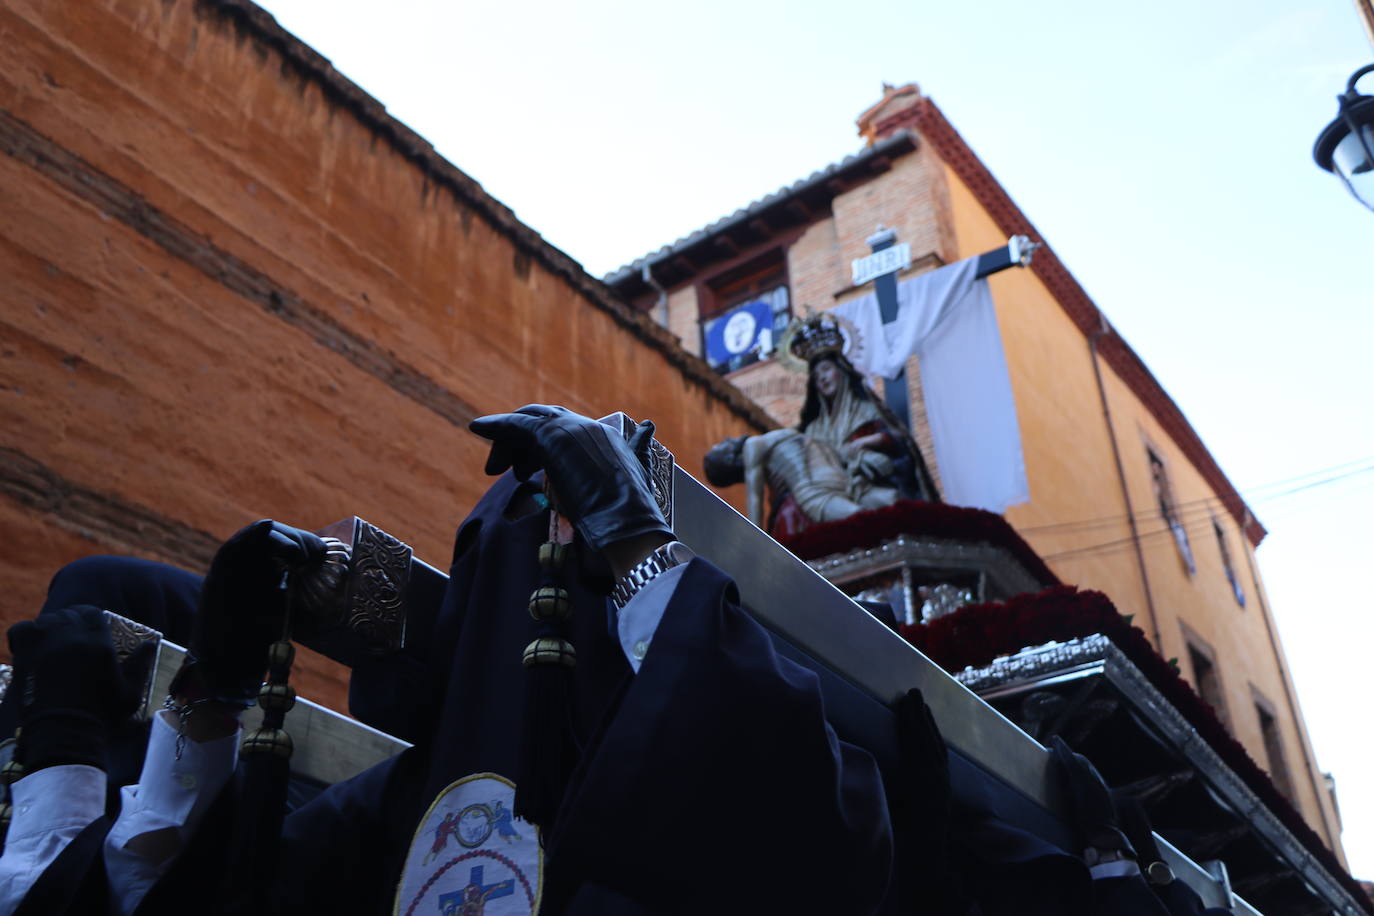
(926, 119)
(105, 518)
(257, 25)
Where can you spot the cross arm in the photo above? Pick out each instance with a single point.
(1016, 253)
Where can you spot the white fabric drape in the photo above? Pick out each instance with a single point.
(946, 317)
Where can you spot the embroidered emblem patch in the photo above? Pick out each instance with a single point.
(471, 856)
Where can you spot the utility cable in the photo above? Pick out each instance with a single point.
(1191, 506)
(1194, 525)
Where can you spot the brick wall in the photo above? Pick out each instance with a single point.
(234, 288)
(814, 268)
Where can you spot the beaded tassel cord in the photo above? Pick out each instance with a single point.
(266, 753)
(547, 752)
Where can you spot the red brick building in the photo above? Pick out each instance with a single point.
(235, 287)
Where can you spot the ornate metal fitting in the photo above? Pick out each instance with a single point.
(12, 772)
(552, 557)
(277, 696)
(942, 600)
(353, 611)
(128, 636)
(550, 602)
(280, 655)
(265, 740)
(550, 650)
(660, 465)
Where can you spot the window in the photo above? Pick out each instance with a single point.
(1273, 746)
(1208, 681)
(1226, 563)
(744, 311)
(1168, 510)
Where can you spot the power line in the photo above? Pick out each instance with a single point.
(1194, 526)
(1195, 505)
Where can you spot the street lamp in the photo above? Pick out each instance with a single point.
(1346, 145)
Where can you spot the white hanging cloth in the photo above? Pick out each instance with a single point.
(946, 317)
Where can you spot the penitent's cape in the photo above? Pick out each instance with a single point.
(708, 782)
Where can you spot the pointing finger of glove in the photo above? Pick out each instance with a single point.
(513, 426)
(524, 460)
(294, 546)
(514, 439)
(498, 459)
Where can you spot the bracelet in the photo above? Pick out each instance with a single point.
(184, 711)
(673, 553)
(189, 682)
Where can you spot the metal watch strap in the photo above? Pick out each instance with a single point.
(664, 558)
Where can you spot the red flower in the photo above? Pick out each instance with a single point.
(937, 520)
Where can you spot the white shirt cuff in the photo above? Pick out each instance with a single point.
(51, 807)
(171, 794)
(168, 789)
(56, 797)
(638, 620)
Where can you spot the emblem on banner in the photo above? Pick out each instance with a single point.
(471, 856)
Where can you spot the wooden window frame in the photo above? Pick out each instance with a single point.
(1167, 504)
(1279, 771)
(1197, 646)
(1228, 567)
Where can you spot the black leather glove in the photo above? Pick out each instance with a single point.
(243, 606)
(72, 690)
(600, 481)
(1090, 801)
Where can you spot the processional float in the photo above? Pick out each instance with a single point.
(864, 667)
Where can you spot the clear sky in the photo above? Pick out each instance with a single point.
(1163, 149)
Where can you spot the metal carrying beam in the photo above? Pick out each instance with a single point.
(794, 601)
(808, 613)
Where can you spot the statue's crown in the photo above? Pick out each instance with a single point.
(816, 335)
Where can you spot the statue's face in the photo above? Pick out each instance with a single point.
(828, 378)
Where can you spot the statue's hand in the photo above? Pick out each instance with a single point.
(870, 464)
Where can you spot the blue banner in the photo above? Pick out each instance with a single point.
(737, 331)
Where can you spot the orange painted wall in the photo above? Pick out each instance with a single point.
(294, 318)
(1077, 500)
(1073, 477)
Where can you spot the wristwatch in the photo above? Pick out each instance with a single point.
(673, 553)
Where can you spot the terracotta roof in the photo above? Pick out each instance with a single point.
(820, 187)
(258, 25)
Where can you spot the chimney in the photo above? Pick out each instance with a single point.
(890, 114)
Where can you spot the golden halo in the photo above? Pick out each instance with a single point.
(853, 339)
